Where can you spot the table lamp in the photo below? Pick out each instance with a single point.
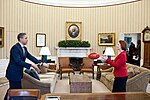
(44, 52)
(109, 52)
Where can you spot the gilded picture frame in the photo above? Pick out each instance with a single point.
(73, 30)
(106, 39)
(40, 40)
(1, 37)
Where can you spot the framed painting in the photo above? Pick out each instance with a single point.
(106, 39)
(40, 40)
(1, 37)
(73, 30)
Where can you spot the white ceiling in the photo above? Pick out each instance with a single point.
(80, 3)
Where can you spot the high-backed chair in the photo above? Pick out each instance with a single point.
(87, 66)
(23, 94)
(65, 66)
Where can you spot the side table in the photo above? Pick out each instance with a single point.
(98, 75)
(99, 67)
(52, 67)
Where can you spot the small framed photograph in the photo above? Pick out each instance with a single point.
(106, 39)
(73, 30)
(1, 37)
(40, 40)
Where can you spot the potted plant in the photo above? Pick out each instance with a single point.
(73, 43)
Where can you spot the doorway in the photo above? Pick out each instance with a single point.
(132, 52)
(128, 40)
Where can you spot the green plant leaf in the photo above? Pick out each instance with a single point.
(73, 43)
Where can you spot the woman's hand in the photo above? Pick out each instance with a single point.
(103, 58)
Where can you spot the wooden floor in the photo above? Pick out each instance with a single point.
(99, 96)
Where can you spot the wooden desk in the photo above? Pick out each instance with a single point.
(101, 96)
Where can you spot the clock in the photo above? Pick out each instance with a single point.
(146, 34)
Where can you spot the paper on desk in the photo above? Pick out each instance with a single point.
(52, 98)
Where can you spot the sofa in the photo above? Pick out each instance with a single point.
(4, 85)
(46, 84)
(138, 78)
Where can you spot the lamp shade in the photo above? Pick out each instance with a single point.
(109, 51)
(45, 51)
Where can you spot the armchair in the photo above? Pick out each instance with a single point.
(65, 66)
(87, 66)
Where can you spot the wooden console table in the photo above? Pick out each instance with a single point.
(100, 96)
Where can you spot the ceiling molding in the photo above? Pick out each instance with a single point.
(80, 3)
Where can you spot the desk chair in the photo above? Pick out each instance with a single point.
(23, 94)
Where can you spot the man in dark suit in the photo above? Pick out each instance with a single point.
(18, 55)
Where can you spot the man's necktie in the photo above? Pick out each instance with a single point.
(23, 48)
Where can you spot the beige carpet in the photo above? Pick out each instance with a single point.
(62, 86)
